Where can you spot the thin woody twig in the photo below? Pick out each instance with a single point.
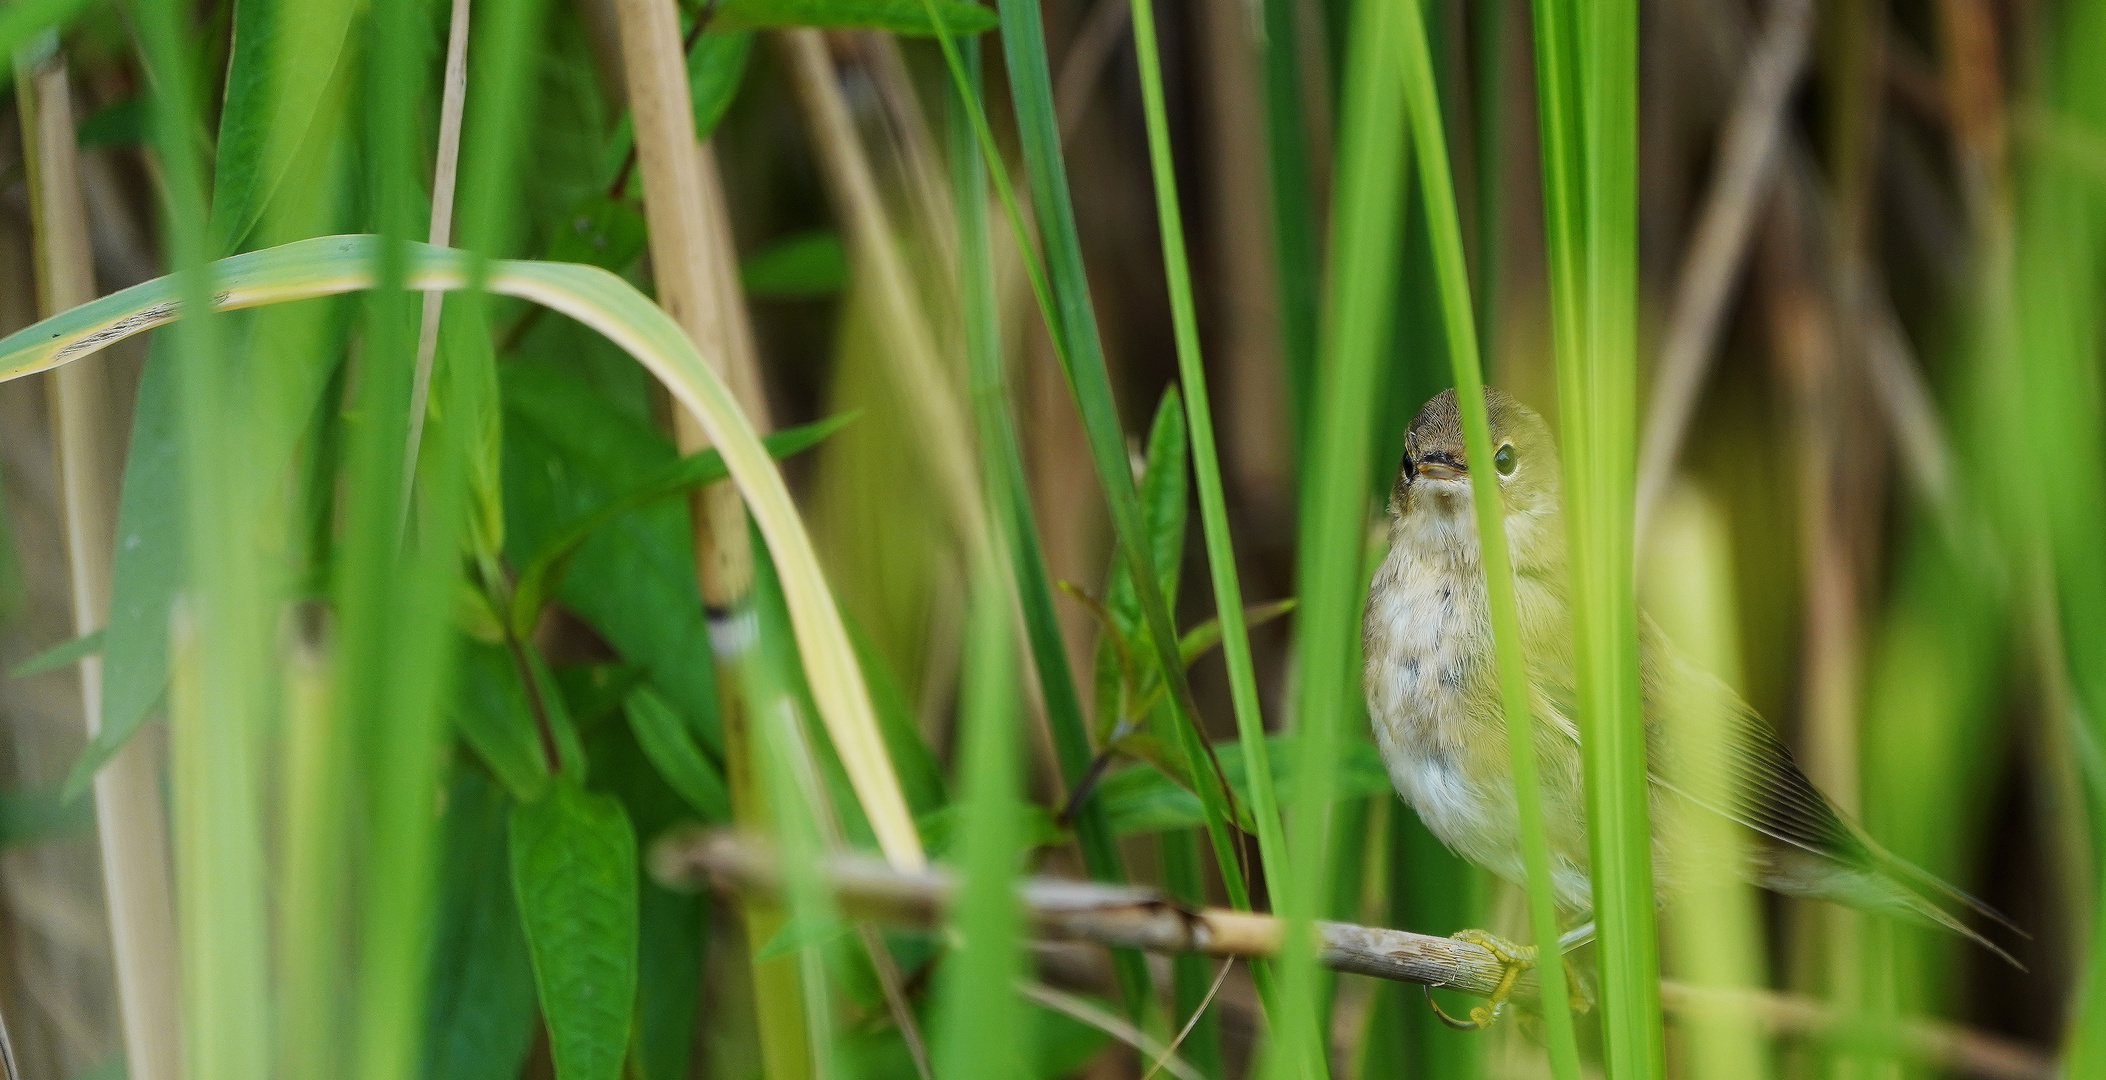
(1117, 915)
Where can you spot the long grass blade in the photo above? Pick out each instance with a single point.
(1003, 470)
(215, 714)
(1081, 355)
(333, 265)
(2056, 336)
(1365, 225)
(1445, 231)
(1206, 463)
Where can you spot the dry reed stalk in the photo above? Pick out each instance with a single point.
(132, 826)
(693, 269)
(445, 173)
(1099, 914)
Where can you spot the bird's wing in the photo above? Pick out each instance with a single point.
(1749, 776)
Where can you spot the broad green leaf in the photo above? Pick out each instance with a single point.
(1143, 799)
(63, 654)
(284, 53)
(544, 570)
(802, 265)
(496, 711)
(674, 750)
(30, 817)
(670, 941)
(595, 691)
(668, 981)
(896, 16)
(715, 67)
(569, 451)
(574, 874)
(337, 264)
(1162, 493)
(480, 1007)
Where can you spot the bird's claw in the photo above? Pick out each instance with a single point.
(1517, 960)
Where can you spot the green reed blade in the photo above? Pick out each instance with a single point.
(1006, 492)
(1081, 354)
(2056, 336)
(1598, 395)
(1445, 231)
(1366, 214)
(980, 1013)
(1206, 464)
(216, 706)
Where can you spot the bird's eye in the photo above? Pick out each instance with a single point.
(1504, 459)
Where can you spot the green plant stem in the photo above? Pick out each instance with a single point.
(1598, 408)
(1071, 324)
(1445, 232)
(1004, 478)
(215, 712)
(1081, 354)
(1206, 464)
(1365, 251)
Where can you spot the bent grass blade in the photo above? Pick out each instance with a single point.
(331, 265)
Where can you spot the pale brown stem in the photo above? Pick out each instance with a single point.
(445, 174)
(694, 273)
(931, 395)
(1748, 150)
(132, 825)
(1080, 911)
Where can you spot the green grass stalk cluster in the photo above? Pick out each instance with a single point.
(1206, 464)
(1364, 256)
(1587, 84)
(1452, 275)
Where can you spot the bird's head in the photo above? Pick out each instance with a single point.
(1430, 500)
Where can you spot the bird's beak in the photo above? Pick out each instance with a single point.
(1439, 470)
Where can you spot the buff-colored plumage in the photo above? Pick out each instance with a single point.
(1433, 696)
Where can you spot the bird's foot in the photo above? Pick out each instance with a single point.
(1517, 960)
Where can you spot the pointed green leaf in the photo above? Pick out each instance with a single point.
(63, 654)
(574, 874)
(715, 67)
(673, 750)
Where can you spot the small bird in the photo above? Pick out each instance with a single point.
(1433, 696)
